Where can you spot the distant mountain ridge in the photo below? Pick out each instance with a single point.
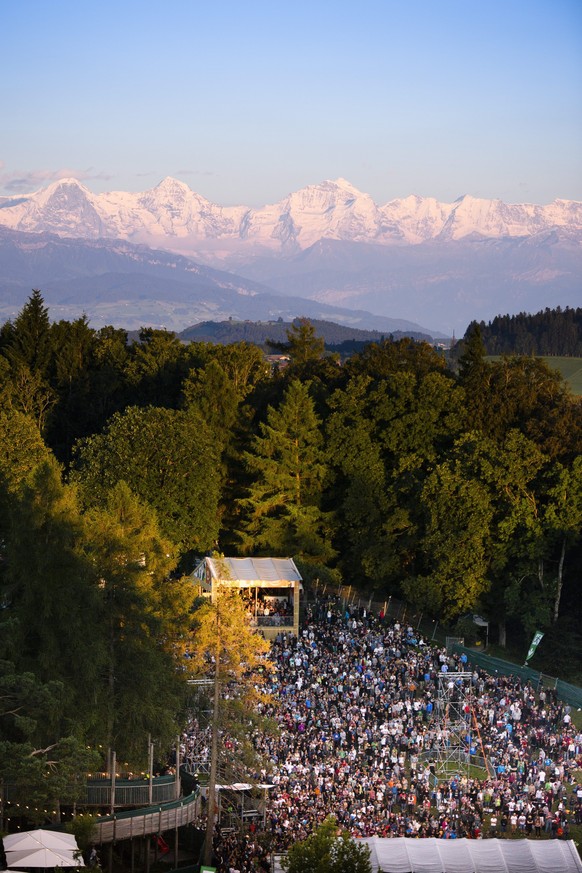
(261, 333)
(132, 286)
(173, 213)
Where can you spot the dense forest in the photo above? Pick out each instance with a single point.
(556, 332)
(121, 462)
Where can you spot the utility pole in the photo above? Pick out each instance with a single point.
(211, 795)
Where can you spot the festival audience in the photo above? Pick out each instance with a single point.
(355, 697)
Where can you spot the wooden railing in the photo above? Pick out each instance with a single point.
(130, 792)
(284, 621)
(142, 822)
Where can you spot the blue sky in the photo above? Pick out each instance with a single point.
(246, 100)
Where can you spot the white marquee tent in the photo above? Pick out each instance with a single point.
(431, 855)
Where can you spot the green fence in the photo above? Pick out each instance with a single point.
(570, 694)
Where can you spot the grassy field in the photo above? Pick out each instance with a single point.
(570, 369)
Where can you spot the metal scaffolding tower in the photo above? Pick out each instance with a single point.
(453, 724)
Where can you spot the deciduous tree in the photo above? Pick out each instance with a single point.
(329, 849)
(455, 543)
(169, 458)
(226, 649)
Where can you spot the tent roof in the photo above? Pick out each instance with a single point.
(42, 848)
(40, 838)
(253, 571)
(431, 855)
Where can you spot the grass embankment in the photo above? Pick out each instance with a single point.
(569, 368)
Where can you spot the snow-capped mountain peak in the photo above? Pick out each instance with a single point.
(169, 183)
(172, 216)
(66, 207)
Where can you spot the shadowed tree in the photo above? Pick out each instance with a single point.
(457, 531)
(244, 364)
(379, 360)
(73, 344)
(360, 490)
(155, 367)
(384, 437)
(52, 593)
(211, 394)
(144, 619)
(30, 740)
(474, 374)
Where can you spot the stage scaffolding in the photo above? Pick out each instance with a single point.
(453, 724)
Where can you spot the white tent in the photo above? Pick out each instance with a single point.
(431, 855)
(42, 848)
(38, 839)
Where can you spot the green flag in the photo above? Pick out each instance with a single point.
(534, 644)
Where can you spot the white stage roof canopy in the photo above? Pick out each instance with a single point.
(250, 572)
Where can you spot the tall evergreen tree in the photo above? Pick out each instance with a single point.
(283, 507)
(27, 347)
(474, 373)
(29, 340)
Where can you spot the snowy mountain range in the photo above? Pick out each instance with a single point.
(173, 216)
(413, 258)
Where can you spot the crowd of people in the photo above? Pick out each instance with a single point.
(358, 739)
(269, 611)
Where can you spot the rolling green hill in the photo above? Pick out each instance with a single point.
(569, 368)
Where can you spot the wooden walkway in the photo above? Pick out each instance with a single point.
(143, 822)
